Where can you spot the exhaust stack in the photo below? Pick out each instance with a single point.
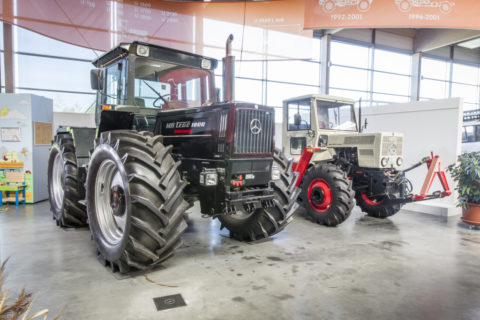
(229, 72)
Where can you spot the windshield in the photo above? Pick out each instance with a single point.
(169, 86)
(336, 116)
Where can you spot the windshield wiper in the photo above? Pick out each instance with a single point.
(158, 94)
(110, 96)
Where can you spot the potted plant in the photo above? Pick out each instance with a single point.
(466, 172)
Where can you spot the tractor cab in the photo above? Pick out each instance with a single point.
(143, 78)
(311, 119)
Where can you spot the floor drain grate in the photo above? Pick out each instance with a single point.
(169, 302)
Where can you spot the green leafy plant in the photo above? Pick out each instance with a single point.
(467, 173)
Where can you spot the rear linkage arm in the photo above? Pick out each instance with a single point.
(435, 167)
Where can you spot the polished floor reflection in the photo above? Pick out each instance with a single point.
(412, 266)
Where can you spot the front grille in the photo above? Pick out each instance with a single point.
(222, 131)
(366, 152)
(392, 146)
(246, 141)
(360, 140)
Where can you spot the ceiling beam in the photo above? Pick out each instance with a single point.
(332, 31)
(430, 39)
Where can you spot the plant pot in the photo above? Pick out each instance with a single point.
(472, 214)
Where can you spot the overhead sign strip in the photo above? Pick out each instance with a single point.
(326, 14)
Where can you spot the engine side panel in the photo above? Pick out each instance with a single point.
(193, 132)
(372, 147)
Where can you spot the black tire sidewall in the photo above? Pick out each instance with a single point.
(382, 210)
(111, 252)
(237, 225)
(57, 212)
(313, 173)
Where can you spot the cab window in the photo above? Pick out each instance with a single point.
(336, 116)
(299, 115)
(471, 134)
(115, 79)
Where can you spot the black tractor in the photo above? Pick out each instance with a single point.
(163, 141)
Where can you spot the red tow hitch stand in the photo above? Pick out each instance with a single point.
(435, 167)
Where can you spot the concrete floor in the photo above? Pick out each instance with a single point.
(411, 266)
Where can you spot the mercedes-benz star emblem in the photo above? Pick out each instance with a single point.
(255, 126)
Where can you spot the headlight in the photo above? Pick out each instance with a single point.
(206, 64)
(384, 162)
(208, 177)
(275, 173)
(399, 161)
(211, 179)
(143, 50)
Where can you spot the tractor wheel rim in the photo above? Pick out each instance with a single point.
(320, 195)
(371, 201)
(110, 208)
(57, 180)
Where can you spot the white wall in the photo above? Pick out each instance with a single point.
(428, 126)
(71, 119)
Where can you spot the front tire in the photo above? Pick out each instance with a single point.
(327, 194)
(379, 207)
(135, 200)
(64, 188)
(265, 222)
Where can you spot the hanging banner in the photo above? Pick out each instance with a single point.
(102, 24)
(326, 14)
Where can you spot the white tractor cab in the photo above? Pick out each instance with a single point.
(337, 163)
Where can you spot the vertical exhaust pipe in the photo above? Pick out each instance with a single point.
(229, 72)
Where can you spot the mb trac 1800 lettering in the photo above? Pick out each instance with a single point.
(163, 141)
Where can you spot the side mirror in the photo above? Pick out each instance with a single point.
(365, 124)
(96, 79)
(217, 92)
(297, 119)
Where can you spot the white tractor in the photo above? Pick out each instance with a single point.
(337, 163)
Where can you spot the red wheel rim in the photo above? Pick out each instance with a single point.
(372, 202)
(320, 195)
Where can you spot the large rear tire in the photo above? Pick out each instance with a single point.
(135, 200)
(265, 222)
(380, 207)
(327, 194)
(64, 188)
